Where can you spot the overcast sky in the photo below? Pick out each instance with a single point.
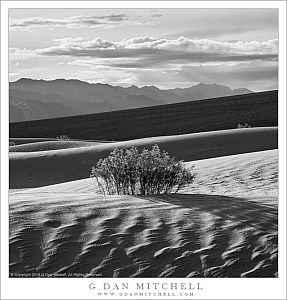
(163, 47)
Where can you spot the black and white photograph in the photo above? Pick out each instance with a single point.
(143, 144)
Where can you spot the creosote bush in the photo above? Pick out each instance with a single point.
(63, 137)
(245, 125)
(130, 172)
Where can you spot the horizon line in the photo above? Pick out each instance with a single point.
(133, 85)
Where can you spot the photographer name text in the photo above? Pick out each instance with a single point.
(146, 286)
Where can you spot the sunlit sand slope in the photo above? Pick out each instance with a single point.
(252, 174)
(50, 167)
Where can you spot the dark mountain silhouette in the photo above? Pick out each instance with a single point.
(197, 92)
(39, 99)
(255, 109)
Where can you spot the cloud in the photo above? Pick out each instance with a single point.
(16, 54)
(81, 47)
(214, 32)
(106, 21)
(255, 75)
(161, 61)
(156, 15)
(143, 52)
(13, 74)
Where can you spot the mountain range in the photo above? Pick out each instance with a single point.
(31, 99)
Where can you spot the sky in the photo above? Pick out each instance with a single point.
(166, 48)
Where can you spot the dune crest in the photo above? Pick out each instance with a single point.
(71, 164)
(51, 145)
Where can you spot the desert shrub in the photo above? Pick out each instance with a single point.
(11, 143)
(63, 137)
(130, 172)
(245, 125)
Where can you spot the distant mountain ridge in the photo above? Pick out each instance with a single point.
(40, 99)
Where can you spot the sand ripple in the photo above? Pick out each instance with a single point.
(166, 236)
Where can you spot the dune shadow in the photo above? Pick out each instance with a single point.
(245, 211)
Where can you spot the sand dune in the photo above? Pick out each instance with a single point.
(43, 168)
(21, 141)
(252, 174)
(68, 230)
(51, 145)
(248, 174)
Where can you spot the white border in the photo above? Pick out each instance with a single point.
(78, 288)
